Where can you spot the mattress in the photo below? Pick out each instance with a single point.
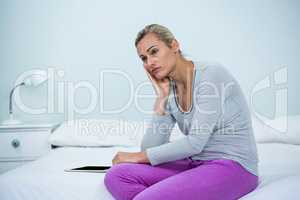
(45, 178)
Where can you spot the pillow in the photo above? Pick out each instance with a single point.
(278, 130)
(95, 132)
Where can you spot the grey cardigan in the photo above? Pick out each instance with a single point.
(218, 124)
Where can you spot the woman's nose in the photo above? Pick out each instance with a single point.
(150, 62)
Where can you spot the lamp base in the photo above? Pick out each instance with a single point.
(11, 121)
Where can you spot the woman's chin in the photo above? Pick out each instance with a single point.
(160, 76)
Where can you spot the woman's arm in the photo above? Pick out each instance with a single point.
(162, 122)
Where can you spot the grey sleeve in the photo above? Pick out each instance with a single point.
(207, 102)
(158, 132)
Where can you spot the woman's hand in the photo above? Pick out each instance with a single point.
(162, 89)
(130, 157)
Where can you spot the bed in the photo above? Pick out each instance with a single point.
(46, 179)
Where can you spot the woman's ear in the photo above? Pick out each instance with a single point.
(175, 46)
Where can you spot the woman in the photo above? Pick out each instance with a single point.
(216, 160)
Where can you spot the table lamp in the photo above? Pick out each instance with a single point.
(35, 79)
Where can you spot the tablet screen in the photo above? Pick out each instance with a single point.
(96, 169)
(92, 168)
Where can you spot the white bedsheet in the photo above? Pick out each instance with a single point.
(45, 179)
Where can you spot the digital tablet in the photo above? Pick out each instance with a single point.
(95, 169)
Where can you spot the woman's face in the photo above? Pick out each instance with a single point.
(158, 59)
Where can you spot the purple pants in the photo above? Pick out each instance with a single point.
(179, 180)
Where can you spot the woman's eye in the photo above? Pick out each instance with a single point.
(154, 51)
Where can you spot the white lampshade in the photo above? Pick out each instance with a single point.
(36, 78)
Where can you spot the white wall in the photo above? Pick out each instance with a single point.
(251, 38)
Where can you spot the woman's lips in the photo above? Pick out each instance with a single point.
(154, 71)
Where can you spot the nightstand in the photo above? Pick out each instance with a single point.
(23, 143)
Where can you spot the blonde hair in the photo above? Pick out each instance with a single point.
(162, 32)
